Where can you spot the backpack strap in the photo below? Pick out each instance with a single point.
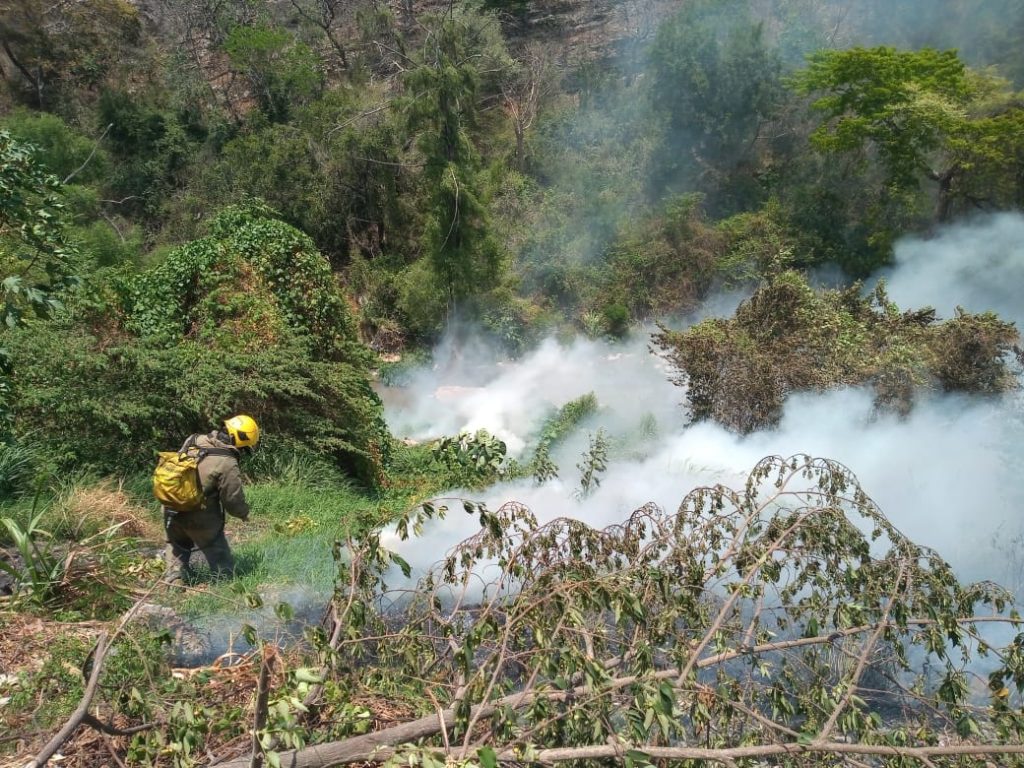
(188, 445)
(230, 452)
(202, 453)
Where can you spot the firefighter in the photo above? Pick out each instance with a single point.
(221, 480)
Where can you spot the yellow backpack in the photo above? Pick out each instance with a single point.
(176, 478)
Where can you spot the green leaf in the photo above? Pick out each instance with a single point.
(250, 634)
(487, 757)
(403, 564)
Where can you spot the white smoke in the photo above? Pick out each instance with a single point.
(946, 475)
(979, 266)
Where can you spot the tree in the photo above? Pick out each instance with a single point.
(460, 55)
(921, 115)
(530, 85)
(324, 14)
(344, 184)
(281, 71)
(248, 318)
(35, 253)
(787, 621)
(716, 84)
(49, 46)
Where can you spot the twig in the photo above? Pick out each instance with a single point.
(98, 654)
(95, 146)
(260, 717)
(81, 714)
(113, 752)
(862, 661)
(94, 722)
(358, 117)
(113, 226)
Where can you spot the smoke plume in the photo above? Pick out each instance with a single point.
(946, 475)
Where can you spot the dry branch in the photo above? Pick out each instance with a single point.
(262, 699)
(81, 715)
(98, 654)
(740, 593)
(373, 747)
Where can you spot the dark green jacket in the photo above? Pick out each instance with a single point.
(221, 478)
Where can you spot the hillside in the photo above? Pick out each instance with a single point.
(632, 382)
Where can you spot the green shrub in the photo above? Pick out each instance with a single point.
(515, 324)
(41, 565)
(249, 319)
(281, 71)
(475, 458)
(616, 320)
(422, 301)
(106, 246)
(663, 263)
(61, 148)
(19, 468)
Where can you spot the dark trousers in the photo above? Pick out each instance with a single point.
(201, 532)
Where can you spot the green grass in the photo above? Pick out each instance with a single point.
(286, 542)
(285, 548)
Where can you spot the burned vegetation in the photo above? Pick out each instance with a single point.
(789, 338)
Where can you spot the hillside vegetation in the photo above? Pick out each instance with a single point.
(219, 206)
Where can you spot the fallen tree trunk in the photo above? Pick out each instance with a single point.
(728, 755)
(375, 747)
(364, 748)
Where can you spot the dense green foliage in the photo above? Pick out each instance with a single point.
(716, 84)
(925, 116)
(35, 254)
(398, 173)
(447, 170)
(249, 318)
(214, 206)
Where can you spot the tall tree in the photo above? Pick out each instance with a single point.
(531, 82)
(716, 84)
(280, 70)
(458, 61)
(921, 115)
(325, 15)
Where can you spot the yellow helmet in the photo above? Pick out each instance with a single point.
(244, 431)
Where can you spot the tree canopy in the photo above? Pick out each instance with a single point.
(925, 116)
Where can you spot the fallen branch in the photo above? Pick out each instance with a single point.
(727, 755)
(94, 722)
(98, 654)
(262, 697)
(375, 747)
(81, 716)
(96, 146)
